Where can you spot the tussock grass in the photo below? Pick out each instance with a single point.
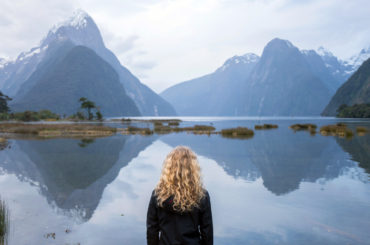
(196, 129)
(173, 123)
(361, 131)
(137, 130)
(129, 120)
(4, 223)
(265, 126)
(307, 126)
(239, 132)
(54, 130)
(338, 129)
(304, 127)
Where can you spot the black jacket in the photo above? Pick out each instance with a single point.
(165, 226)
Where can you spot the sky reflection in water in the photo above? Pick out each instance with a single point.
(279, 187)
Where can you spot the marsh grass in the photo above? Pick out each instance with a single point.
(196, 129)
(265, 126)
(137, 130)
(4, 223)
(173, 123)
(168, 121)
(304, 127)
(3, 143)
(361, 131)
(338, 129)
(307, 126)
(55, 130)
(239, 132)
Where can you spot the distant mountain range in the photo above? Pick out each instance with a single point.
(212, 94)
(284, 81)
(80, 30)
(354, 91)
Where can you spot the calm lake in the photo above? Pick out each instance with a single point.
(279, 187)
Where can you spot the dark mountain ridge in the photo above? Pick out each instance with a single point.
(75, 72)
(80, 29)
(283, 82)
(356, 90)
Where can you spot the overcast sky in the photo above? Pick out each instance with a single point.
(164, 42)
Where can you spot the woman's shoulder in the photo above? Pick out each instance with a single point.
(153, 197)
(206, 196)
(206, 193)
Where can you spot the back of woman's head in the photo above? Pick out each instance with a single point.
(180, 179)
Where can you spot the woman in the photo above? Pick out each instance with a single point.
(180, 209)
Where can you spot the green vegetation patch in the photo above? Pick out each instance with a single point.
(338, 129)
(28, 116)
(304, 127)
(239, 132)
(354, 111)
(55, 130)
(361, 130)
(137, 130)
(307, 126)
(4, 222)
(196, 129)
(168, 121)
(265, 126)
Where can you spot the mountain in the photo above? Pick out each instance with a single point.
(70, 73)
(81, 29)
(331, 70)
(355, 91)
(283, 82)
(356, 60)
(14, 73)
(206, 96)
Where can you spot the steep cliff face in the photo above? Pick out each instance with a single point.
(355, 91)
(282, 84)
(81, 30)
(74, 73)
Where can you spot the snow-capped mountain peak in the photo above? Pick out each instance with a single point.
(324, 52)
(32, 52)
(78, 20)
(4, 61)
(80, 28)
(357, 60)
(239, 60)
(250, 58)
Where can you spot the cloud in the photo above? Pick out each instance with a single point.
(123, 45)
(24, 23)
(168, 41)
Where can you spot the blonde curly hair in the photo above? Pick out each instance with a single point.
(180, 179)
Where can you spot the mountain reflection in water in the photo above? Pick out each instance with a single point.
(282, 162)
(71, 176)
(278, 187)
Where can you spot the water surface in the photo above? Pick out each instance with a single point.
(278, 187)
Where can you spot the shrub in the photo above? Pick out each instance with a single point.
(4, 222)
(307, 126)
(239, 132)
(173, 123)
(361, 130)
(265, 126)
(354, 111)
(339, 129)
